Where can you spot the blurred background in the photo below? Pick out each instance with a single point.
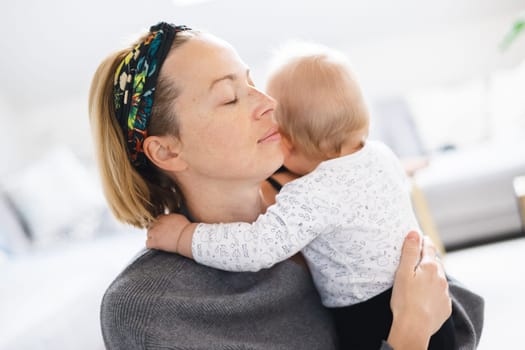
(445, 82)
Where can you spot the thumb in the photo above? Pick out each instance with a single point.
(411, 252)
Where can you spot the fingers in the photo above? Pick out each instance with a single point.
(165, 232)
(153, 241)
(420, 289)
(429, 250)
(151, 235)
(431, 263)
(150, 241)
(430, 258)
(411, 252)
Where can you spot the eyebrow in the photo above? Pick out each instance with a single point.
(231, 77)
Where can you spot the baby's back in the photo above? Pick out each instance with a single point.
(365, 204)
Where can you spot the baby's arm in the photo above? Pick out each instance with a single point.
(275, 236)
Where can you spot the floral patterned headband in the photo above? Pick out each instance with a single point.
(134, 87)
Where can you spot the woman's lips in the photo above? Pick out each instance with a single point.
(270, 136)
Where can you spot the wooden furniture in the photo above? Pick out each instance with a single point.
(519, 190)
(425, 218)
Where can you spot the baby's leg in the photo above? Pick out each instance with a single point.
(445, 337)
(365, 325)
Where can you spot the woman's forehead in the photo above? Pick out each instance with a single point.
(203, 59)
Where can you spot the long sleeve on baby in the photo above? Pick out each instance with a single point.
(286, 228)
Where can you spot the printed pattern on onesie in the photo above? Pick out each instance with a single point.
(348, 217)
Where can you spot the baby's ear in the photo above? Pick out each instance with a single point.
(164, 152)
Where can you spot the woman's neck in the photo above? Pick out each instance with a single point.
(223, 202)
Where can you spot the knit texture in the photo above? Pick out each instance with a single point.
(468, 311)
(164, 301)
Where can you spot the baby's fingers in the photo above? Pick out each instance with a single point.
(150, 240)
(153, 234)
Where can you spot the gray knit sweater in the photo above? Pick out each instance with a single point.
(165, 301)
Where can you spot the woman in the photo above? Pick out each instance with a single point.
(180, 127)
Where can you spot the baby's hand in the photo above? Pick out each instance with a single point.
(165, 233)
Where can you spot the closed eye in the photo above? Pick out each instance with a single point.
(232, 102)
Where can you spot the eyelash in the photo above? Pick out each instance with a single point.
(232, 102)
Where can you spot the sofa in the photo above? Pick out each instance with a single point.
(59, 250)
(469, 138)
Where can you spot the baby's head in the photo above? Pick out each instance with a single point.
(321, 111)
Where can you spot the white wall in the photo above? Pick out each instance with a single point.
(444, 56)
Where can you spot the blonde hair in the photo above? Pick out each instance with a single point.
(320, 104)
(135, 197)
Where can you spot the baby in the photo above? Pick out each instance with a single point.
(347, 214)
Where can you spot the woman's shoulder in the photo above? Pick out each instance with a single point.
(157, 277)
(148, 278)
(167, 297)
(129, 302)
(155, 269)
(142, 280)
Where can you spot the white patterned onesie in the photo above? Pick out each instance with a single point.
(348, 217)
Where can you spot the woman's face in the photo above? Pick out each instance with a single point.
(227, 129)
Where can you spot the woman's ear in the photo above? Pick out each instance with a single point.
(164, 152)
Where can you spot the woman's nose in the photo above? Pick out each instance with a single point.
(267, 105)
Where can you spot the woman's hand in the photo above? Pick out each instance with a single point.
(420, 301)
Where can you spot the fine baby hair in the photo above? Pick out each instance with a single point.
(321, 106)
